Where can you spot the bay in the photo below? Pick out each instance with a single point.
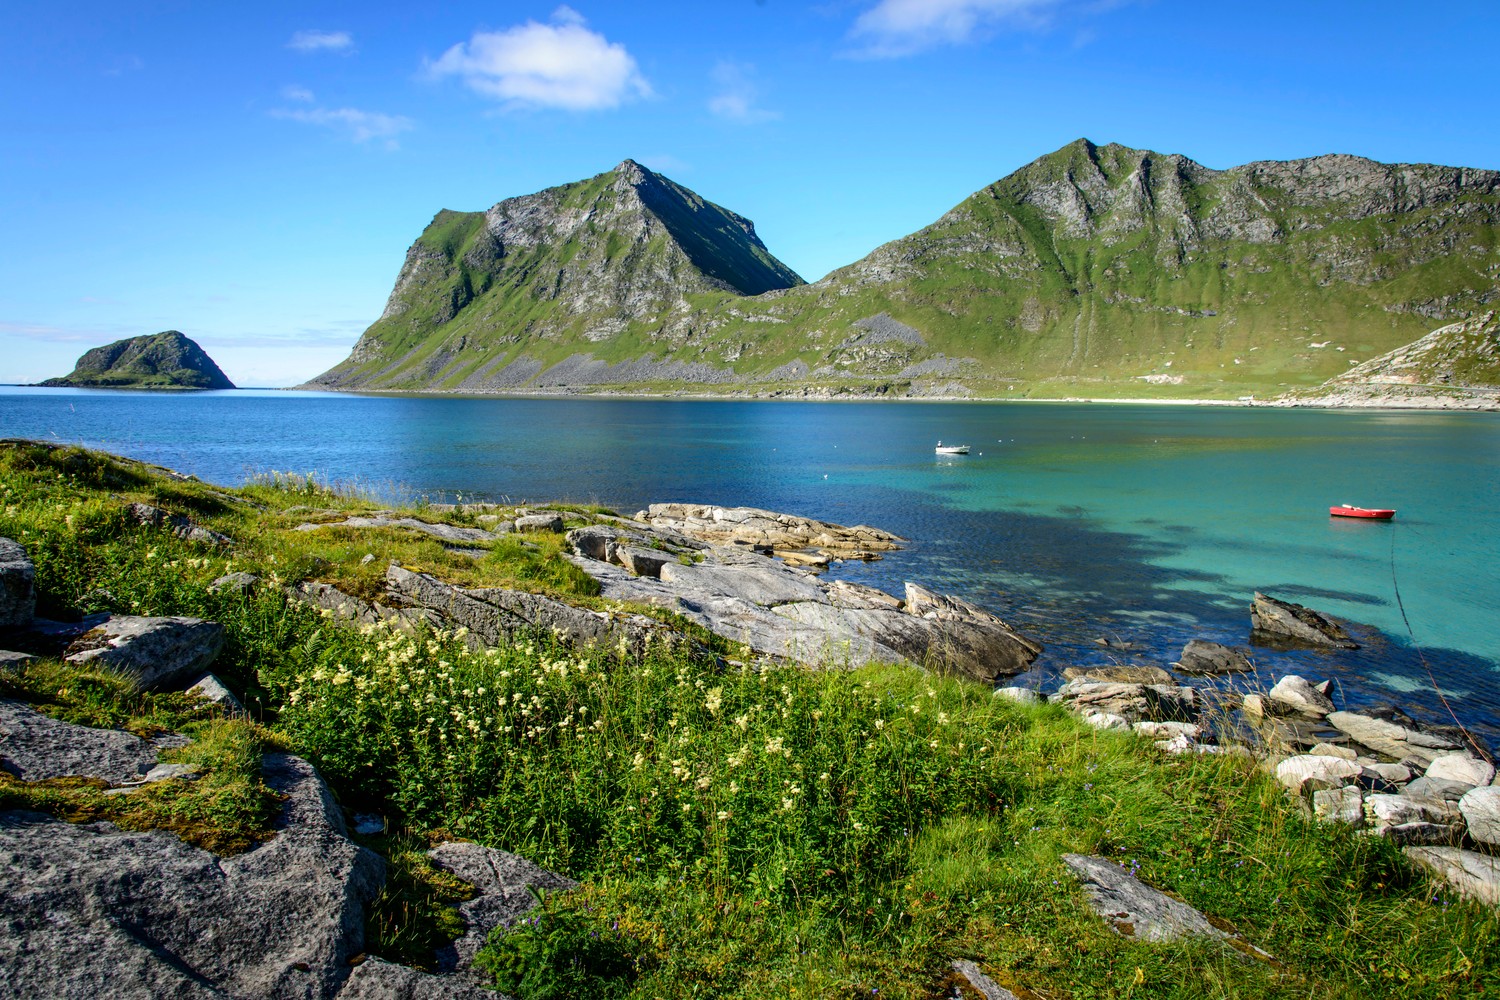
(1145, 525)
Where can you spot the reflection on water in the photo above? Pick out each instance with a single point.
(1140, 524)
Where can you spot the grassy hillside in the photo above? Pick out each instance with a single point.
(1091, 271)
(738, 830)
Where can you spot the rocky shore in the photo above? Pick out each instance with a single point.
(92, 908)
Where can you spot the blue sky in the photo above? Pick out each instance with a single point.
(252, 174)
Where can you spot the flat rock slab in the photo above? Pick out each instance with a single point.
(502, 880)
(1462, 767)
(1117, 672)
(539, 522)
(443, 532)
(92, 911)
(17, 586)
(1134, 909)
(766, 585)
(1297, 623)
(13, 661)
(1470, 873)
(34, 747)
(766, 528)
(159, 653)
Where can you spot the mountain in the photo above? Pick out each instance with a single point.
(1455, 366)
(1094, 270)
(485, 299)
(166, 360)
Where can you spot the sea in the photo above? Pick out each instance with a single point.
(1140, 526)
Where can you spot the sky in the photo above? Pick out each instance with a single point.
(252, 174)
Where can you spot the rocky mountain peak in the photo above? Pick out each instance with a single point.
(166, 360)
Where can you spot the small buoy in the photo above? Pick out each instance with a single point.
(825, 475)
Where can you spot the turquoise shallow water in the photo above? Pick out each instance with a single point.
(1145, 524)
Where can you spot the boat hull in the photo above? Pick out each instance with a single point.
(1376, 514)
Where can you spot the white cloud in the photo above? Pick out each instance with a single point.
(54, 334)
(292, 92)
(737, 94)
(901, 27)
(361, 126)
(320, 41)
(557, 65)
(664, 163)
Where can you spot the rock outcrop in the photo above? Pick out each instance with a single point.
(1292, 622)
(17, 586)
(166, 360)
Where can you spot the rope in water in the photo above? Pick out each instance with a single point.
(1401, 606)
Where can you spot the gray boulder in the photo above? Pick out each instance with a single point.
(1339, 805)
(34, 746)
(1468, 872)
(1297, 623)
(1202, 658)
(539, 522)
(987, 987)
(1461, 767)
(1133, 702)
(17, 586)
(211, 688)
(175, 524)
(157, 653)
(1437, 788)
(239, 583)
(1392, 739)
(502, 880)
(1294, 694)
(1134, 909)
(92, 911)
(13, 661)
(1481, 810)
(1305, 771)
(1408, 820)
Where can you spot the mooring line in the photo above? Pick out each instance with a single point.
(1401, 606)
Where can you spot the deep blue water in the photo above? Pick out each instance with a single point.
(1145, 524)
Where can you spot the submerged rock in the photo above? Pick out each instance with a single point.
(1297, 623)
(1203, 658)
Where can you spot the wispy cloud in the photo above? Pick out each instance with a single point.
(292, 92)
(893, 28)
(53, 334)
(664, 163)
(557, 65)
(738, 94)
(125, 64)
(360, 126)
(313, 40)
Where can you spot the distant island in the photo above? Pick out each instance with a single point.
(166, 360)
(1094, 271)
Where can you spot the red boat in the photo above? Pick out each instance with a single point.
(1347, 510)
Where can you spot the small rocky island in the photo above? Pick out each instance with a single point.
(166, 360)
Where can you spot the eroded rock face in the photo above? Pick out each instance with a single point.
(17, 586)
(159, 653)
(92, 911)
(1297, 623)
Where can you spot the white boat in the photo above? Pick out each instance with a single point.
(952, 449)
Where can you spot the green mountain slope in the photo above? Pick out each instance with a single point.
(1094, 270)
(165, 360)
(486, 299)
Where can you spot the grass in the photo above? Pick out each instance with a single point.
(745, 831)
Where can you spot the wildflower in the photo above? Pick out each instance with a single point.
(713, 699)
(722, 815)
(879, 723)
